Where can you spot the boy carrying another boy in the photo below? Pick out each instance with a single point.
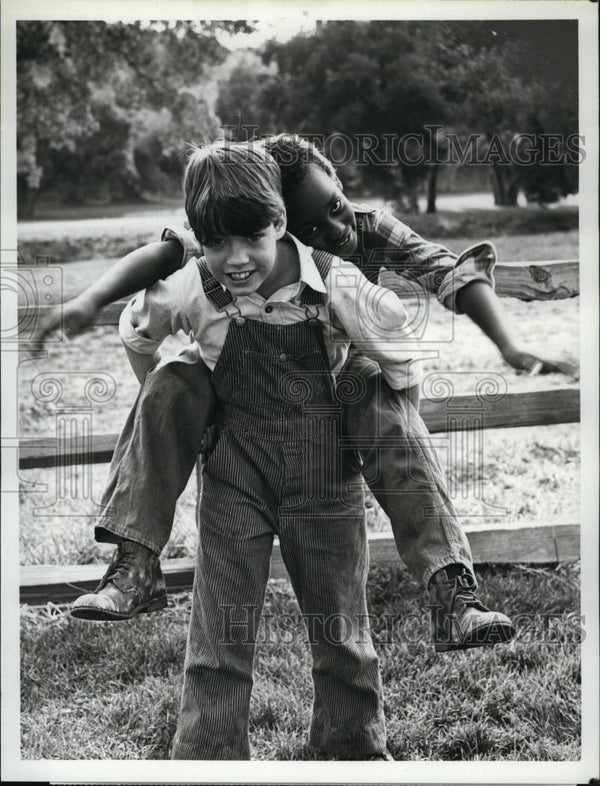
(398, 461)
(273, 322)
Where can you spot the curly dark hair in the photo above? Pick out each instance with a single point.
(294, 154)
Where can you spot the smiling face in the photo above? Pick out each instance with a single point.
(242, 264)
(320, 215)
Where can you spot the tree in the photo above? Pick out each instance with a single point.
(83, 89)
(362, 80)
(421, 80)
(244, 94)
(510, 81)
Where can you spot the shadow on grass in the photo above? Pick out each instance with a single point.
(111, 691)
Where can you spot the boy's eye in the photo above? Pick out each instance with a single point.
(214, 242)
(336, 207)
(256, 237)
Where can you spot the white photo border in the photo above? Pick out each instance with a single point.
(13, 767)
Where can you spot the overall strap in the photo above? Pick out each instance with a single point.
(323, 261)
(212, 289)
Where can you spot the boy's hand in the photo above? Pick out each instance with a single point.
(73, 316)
(209, 440)
(531, 365)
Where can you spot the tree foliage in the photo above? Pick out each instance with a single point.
(508, 79)
(105, 111)
(100, 104)
(493, 80)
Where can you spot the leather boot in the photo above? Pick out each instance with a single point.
(384, 756)
(133, 584)
(460, 620)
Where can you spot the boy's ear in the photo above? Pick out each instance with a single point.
(281, 225)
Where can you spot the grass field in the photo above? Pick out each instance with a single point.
(111, 692)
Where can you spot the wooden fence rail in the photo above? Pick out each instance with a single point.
(553, 280)
(540, 408)
(509, 543)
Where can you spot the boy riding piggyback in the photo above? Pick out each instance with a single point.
(398, 460)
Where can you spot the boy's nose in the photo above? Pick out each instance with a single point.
(238, 254)
(335, 232)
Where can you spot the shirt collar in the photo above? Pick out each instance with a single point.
(309, 273)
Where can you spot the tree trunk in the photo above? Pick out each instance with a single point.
(413, 199)
(512, 190)
(432, 188)
(26, 199)
(505, 186)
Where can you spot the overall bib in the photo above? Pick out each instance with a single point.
(278, 469)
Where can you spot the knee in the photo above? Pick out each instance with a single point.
(358, 388)
(175, 384)
(380, 411)
(364, 399)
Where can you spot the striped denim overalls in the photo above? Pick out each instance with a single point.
(278, 469)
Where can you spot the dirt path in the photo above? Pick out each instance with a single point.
(153, 219)
(136, 223)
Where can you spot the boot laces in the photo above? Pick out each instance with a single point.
(121, 564)
(464, 590)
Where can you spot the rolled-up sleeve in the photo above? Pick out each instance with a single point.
(473, 265)
(186, 239)
(153, 314)
(375, 321)
(430, 265)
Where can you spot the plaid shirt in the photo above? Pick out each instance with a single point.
(385, 242)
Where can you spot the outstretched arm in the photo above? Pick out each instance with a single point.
(138, 270)
(479, 301)
(460, 284)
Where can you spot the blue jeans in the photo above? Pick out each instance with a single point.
(402, 470)
(159, 445)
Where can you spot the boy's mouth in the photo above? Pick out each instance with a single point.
(345, 241)
(240, 276)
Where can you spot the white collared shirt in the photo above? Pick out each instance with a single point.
(354, 311)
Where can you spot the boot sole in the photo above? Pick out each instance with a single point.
(105, 615)
(486, 636)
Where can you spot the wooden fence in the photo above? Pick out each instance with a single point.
(510, 543)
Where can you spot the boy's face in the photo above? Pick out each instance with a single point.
(241, 264)
(320, 215)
